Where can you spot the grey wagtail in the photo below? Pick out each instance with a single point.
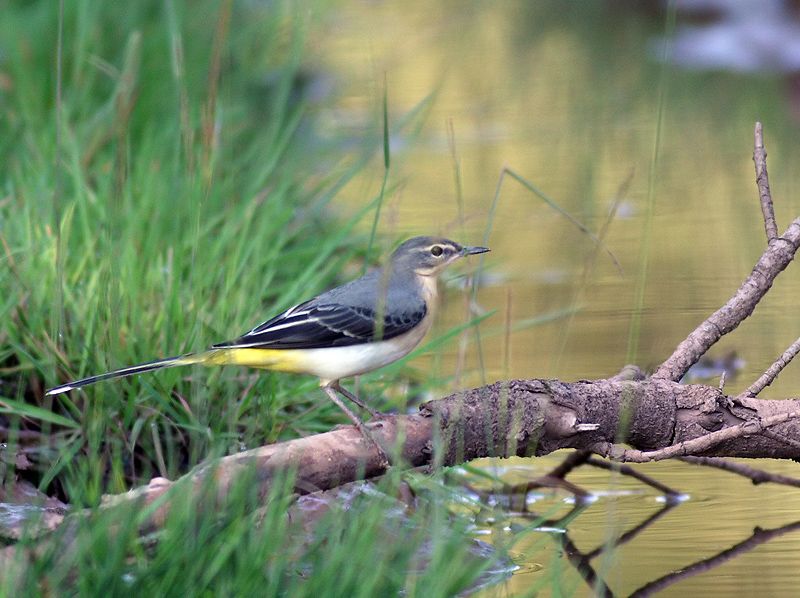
(352, 329)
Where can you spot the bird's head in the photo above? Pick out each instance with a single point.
(428, 256)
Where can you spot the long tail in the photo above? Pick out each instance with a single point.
(170, 362)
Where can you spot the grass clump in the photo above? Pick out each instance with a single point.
(162, 197)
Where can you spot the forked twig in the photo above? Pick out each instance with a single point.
(780, 251)
(556, 476)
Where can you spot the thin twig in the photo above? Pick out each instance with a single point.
(757, 476)
(575, 460)
(772, 372)
(553, 479)
(762, 181)
(695, 445)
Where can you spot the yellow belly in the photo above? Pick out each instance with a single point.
(268, 359)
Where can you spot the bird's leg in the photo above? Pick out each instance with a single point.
(338, 387)
(329, 390)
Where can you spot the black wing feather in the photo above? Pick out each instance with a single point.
(309, 326)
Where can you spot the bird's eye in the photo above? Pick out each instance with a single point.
(437, 250)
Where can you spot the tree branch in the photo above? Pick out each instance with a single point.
(741, 305)
(517, 417)
(762, 182)
(698, 445)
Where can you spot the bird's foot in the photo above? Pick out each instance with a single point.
(346, 393)
(384, 459)
(385, 463)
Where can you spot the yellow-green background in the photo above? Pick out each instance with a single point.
(571, 96)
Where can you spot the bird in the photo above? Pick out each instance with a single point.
(352, 329)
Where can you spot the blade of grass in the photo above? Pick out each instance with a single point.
(28, 411)
(386, 164)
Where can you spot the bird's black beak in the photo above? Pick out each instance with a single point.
(473, 250)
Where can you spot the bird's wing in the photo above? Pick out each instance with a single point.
(316, 324)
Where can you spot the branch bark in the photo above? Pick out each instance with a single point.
(518, 417)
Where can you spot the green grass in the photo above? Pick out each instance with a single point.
(171, 192)
(155, 228)
(361, 542)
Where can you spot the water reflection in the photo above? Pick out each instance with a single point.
(631, 539)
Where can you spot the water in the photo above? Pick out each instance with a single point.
(719, 513)
(571, 96)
